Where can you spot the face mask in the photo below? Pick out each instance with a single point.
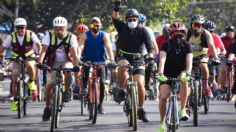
(197, 32)
(132, 25)
(95, 30)
(165, 34)
(177, 39)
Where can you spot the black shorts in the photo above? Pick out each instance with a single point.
(138, 64)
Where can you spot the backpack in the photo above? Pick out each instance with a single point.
(203, 38)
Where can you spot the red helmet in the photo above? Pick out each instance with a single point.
(82, 28)
(177, 27)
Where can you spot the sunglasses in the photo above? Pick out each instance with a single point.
(132, 20)
(196, 25)
(94, 26)
(59, 28)
(20, 28)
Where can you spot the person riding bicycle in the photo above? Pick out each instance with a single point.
(231, 57)
(22, 43)
(161, 39)
(142, 23)
(96, 44)
(178, 53)
(201, 41)
(131, 39)
(211, 26)
(59, 49)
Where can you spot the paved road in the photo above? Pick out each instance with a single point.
(221, 118)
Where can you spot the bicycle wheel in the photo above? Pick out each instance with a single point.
(20, 99)
(82, 104)
(95, 101)
(195, 105)
(54, 107)
(229, 86)
(26, 94)
(134, 107)
(200, 91)
(206, 103)
(173, 115)
(58, 106)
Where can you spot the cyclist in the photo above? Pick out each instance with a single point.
(40, 36)
(231, 57)
(96, 43)
(177, 52)
(227, 40)
(131, 38)
(142, 23)
(22, 43)
(211, 26)
(161, 39)
(201, 41)
(59, 49)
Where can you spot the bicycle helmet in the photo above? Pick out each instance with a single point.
(59, 22)
(82, 28)
(198, 19)
(177, 27)
(20, 22)
(229, 28)
(131, 13)
(142, 18)
(40, 35)
(209, 25)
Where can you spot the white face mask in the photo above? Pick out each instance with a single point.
(132, 24)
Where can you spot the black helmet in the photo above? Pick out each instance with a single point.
(209, 25)
(131, 13)
(230, 28)
(198, 19)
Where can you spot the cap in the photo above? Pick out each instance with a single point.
(96, 19)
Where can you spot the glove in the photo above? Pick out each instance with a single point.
(75, 69)
(112, 64)
(116, 4)
(184, 78)
(215, 62)
(151, 64)
(162, 78)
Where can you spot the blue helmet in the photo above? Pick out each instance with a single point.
(209, 25)
(142, 18)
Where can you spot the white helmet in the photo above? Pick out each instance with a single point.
(60, 22)
(20, 22)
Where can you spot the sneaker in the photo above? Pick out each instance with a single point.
(32, 86)
(66, 96)
(142, 115)
(46, 114)
(100, 109)
(208, 92)
(14, 105)
(162, 127)
(183, 115)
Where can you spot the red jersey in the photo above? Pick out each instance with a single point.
(217, 42)
(161, 40)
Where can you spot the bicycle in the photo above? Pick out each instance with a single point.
(93, 94)
(57, 101)
(229, 80)
(131, 99)
(172, 117)
(23, 92)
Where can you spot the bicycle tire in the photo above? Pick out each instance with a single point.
(200, 92)
(20, 99)
(229, 86)
(206, 103)
(58, 107)
(26, 93)
(173, 116)
(53, 108)
(82, 104)
(95, 101)
(195, 105)
(134, 107)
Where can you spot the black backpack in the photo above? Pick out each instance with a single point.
(203, 38)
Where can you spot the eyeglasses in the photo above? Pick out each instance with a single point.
(20, 28)
(132, 20)
(94, 26)
(196, 25)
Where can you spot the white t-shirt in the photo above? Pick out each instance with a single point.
(60, 52)
(113, 46)
(153, 39)
(7, 42)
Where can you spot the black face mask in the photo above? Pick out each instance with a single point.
(197, 32)
(176, 40)
(95, 30)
